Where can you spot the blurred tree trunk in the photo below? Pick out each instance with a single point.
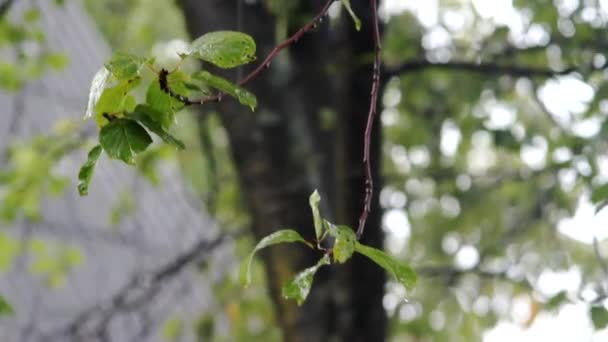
(307, 133)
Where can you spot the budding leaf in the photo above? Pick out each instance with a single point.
(144, 114)
(402, 273)
(124, 66)
(344, 245)
(281, 236)
(356, 20)
(314, 201)
(299, 288)
(87, 170)
(241, 94)
(225, 49)
(123, 139)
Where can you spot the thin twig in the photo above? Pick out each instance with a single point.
(140, 290)
(371, 116)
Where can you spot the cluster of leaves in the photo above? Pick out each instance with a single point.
(53, 261)
(25, 64)
(345, 244)
(30, 172)
(125, 123)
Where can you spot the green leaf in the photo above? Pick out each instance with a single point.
(403, 273)
(245, 97)
(124, 66)
(225, 49)
(346, 4)
(123, 139)
(97, 85)
(314, 200)
(281, 236)
(556, 301)
(114, 101)
(87, 170)
(599, 317)
(165, 104)
(31, 15)
(344, 245)
(299, 288)
(145, 114)
(600, 194)
(5, 307)
(9, 249)
(173, 329)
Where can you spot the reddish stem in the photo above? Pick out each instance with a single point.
(371, 116)
(272, 55)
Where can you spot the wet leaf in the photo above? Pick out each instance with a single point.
(87, 169)
(402, 273)
(241, 94)
(299, 288)
(144, 114)
(123, 139)
(124, 66)
(314, 201)
(115, 101)
(225, 49)
(281, 236)
(344, 245)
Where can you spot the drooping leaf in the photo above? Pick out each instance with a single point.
(314, 201)
(241, 94)
(87, 170)
(356, 20)
(144, 114)
(124, 66)
(599, 317)
(299, 287)
(115, 101)
(402, 273)
(5, 307)
(344, 245)
(123, 139)
(225, 49)
(97, 85)
(281, 236)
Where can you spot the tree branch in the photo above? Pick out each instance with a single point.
(371, 116)
(418, 65)
(140, 290)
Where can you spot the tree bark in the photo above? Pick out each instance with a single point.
(288, 147)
